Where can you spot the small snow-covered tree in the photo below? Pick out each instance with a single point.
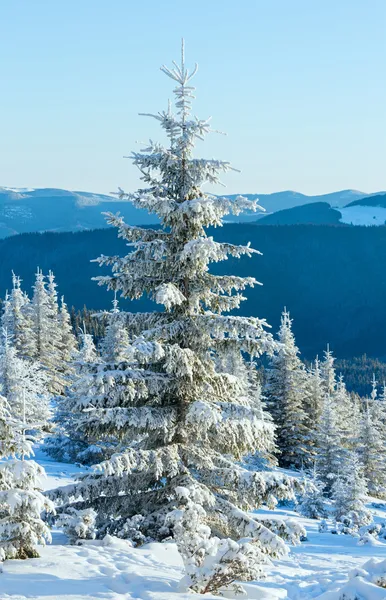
(372, 448)
(313, 405)
(116, 339)
(21, 502)
(191, 424)
(349, 492)
(327, 371)
(312, 501)
(46, 330)
(344, 413)
(286, 391)
(331, 455)
(68, 342)
(24, 384)
(16, 319)
(54, 358)
(71, 440)
(213, 564)
(41, 316)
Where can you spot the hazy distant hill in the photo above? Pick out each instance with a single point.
(369, 211)
(288, 199)
(318, 213)
(373, 200)
(28, 210)
(60, 210)
(331, 278)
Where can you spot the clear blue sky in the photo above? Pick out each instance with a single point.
(298, 85)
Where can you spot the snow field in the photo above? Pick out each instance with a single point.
(111, 569)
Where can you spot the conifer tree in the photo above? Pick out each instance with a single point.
(327, 371)
(312, 502)
(21, 502)
(16, 319)
(55, 358)
(344, 414)
(372, 448)
(46, 330)
(190, 422)
(71, 441)
(286, 392)
(313, 405)
(349, 492)
(116, 339)
(24, 384)
(331, 455)
(68, 342)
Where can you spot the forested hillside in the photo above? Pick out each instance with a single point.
(332, 279)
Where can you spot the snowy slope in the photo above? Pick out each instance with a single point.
(363, 215)
(113, 570)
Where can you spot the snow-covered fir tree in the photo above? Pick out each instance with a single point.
(312, 501)
(372, 447)
(190, 423)
(331, 455)
(313, 405)
(21, 502)
(344, 413)
(16, 319)
(349, 492)
(286, 392)
(68, 341)
(87, 351)
(116, 339)
(53, 359)
(327, 371)
(24, 384)
(212, 564)
(45, 336)
(72, 440)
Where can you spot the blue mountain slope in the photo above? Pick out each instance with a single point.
(61, 210)
(316, 213)
(49, 209)
(373, 200)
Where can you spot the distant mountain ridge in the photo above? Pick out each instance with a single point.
(373, 200)
(316, 213)
(25, 210)
(290, 199)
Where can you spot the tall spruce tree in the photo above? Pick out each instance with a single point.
(313, 405)
(190, 423)
(331, 455)
(286, 392)
(344, 407)
(16, 320)
(45, 316)
(68, 342)
(55, 359)
(372, 446)
(327, 370)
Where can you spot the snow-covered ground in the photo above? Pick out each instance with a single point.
(113, 570)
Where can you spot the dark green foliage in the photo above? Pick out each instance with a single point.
(358, 372)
